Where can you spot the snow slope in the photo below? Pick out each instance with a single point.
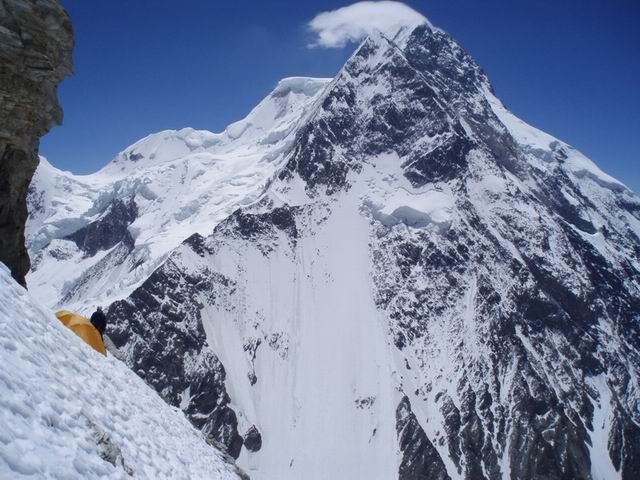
(56, 393)
(311, 317)
(181, 182)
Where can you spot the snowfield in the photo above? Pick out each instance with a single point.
(63, 407)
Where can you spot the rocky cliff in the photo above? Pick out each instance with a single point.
(36, 41)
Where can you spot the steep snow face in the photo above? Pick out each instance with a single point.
(427, 288)
(68, 412)
(176, 183)
(306, 315)
(285, 326)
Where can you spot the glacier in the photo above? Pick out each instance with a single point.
(183, 182)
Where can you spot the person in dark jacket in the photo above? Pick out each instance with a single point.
(99, 320)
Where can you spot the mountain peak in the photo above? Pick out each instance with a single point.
(266, 125)
(308, 86)
(417, 101)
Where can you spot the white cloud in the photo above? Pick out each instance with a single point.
(336, 28)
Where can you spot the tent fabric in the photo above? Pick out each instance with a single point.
(83, 328)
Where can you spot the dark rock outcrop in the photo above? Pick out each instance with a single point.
(36, 41)
(420, 459)
(160, 336)
(109, 230)
(253, 439)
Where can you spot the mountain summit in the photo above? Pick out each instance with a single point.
(409, 282)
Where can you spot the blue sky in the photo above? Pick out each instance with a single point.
(569, 67)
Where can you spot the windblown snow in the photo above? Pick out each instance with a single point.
(68, 412)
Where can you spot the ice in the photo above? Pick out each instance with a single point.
(419, 209)
(393, 200)
(300, 85)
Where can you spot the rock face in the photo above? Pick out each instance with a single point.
(36, 42)
(420, 460)
(253, 439)
(108, 230)
(428, 287)
(188, 373)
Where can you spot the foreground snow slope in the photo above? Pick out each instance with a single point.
(151, 197)
(57, 396)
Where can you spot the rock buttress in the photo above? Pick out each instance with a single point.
(36, 42)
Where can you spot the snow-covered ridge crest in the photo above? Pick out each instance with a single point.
(542, 145)
(268, 123)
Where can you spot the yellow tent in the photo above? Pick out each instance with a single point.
(82, 328)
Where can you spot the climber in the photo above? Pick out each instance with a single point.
(99, 320)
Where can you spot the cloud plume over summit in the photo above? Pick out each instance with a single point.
(336, 28)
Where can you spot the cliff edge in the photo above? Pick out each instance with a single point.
(36, 43)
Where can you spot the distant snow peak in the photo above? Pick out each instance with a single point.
(336, 28)
(181, 181)
(268, 123)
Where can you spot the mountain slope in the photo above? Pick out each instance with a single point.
(428, 288)
(68, 412)
(174, 183)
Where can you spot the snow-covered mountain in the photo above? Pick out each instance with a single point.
(68, 412)
(414, 284)
(93, 238)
